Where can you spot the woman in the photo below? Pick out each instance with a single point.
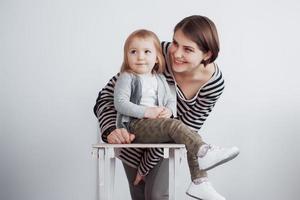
(198, 83)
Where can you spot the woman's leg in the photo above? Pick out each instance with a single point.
(157, 182)
(156, 185)
(136, 192)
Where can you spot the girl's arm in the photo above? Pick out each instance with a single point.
(171, 98)
(106, 113)
(122, 95)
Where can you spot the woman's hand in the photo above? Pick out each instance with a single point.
(120, 136)
(165, 113)
(138, 179)
(153, 112)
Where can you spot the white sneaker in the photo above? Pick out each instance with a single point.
(216, 156)
(203, 191)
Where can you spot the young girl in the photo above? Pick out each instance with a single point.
(145, 106)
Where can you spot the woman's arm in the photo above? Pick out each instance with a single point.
(106, 114)
(150, 158)
(104, 109)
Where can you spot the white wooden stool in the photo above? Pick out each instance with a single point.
(106, 157)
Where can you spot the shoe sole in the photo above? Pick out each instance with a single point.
(222, 161)
(193, 196)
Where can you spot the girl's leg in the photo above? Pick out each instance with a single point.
(170, 130)
(196, 174)
(165, 130)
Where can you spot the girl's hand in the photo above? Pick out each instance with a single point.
(138, 179)
(153, 112)
(120, 136)
(165, 113)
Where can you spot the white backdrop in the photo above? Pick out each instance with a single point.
(55, 55)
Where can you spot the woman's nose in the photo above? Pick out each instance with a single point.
(177, 53)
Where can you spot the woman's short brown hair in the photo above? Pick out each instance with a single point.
(203, 32)
(144, 34)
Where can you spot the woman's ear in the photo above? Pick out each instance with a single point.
(207, 55)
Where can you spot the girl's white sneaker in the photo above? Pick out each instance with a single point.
(216, 156)
(203, 191)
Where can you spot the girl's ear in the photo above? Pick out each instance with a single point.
(207, 55)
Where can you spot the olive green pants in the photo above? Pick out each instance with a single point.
(166, 130)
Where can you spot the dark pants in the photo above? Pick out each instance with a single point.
(156, 185)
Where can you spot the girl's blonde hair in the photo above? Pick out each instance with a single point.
(159, 67)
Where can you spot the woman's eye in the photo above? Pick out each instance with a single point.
(188, 50)
(175, 43)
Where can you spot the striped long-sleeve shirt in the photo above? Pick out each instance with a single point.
(192, 112)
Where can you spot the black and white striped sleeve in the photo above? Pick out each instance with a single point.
(104, 109)
(149, 159)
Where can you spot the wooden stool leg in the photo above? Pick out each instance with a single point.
(112, 177)
(106, 173)
(110, 173)
(172, 174)
(107, 160)
(174, 162)
(177, 157)
(101, 174)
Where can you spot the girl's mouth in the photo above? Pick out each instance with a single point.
(140, 64)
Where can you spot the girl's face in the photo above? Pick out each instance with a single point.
(185, 55)
(141, 55)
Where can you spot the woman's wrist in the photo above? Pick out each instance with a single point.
(106, 133)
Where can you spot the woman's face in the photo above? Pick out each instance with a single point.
(185, 55)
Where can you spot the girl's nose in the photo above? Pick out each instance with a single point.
(140, 56)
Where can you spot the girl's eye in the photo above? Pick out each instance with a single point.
(132, 51)
(147, 51)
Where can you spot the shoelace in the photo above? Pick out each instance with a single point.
(213, 148)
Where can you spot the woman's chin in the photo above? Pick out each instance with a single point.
(178, 68)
